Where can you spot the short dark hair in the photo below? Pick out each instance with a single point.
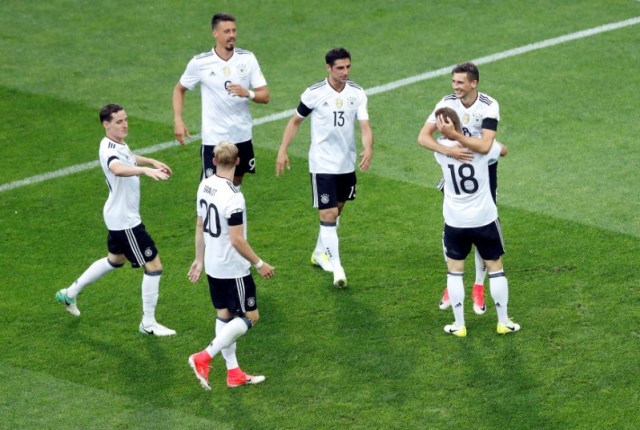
(336, 54)
(447, 112)
(107, 111)
(473, 74)
(219, 17)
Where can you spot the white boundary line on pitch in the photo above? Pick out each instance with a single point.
(371, 91)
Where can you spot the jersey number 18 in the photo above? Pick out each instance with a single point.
(463, 179)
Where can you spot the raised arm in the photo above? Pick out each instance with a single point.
(476, 144)
(123, 169)
(426, 140)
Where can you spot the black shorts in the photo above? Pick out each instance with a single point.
(327, 190)
(487, 239)
(134, 243)
(245, 152)
(236, 295)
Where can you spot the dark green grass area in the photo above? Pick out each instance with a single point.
(373, 355)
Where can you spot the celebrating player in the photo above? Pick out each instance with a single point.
(226, 256)
(480, 115)
(334, 104)
(226, 74)
(128, 238)
(471, 218)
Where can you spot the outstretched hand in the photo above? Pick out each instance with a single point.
(157, 174)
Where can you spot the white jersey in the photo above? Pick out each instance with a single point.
(467, 195)
(122, 209)
(225, 117)
(472, 118)
(333, 116)
(218, 199)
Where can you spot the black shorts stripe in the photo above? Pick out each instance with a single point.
(133, 243)
(241, 293)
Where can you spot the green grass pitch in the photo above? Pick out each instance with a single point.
(373, 355)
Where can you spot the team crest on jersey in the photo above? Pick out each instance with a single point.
(251, 302)
(339, 103)
(351, 101)
(324, 199)
(226, 71)
(242, 69)
(148, 252)
(477, 118)
(209, 172)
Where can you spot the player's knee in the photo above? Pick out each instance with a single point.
(253, 317)
(154, 265)
(116, 260)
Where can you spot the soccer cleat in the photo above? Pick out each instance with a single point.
(444, 301)
(69, 303)
(236, 377)
(456, 331)
(155, 329)
(339, 278)
(509, 327)
(199, 362)
(478, 299)
(321, 260)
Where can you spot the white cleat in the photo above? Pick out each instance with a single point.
(69, 303)
(339, 278)
(321, 260)
(156, 329)
(509, 327)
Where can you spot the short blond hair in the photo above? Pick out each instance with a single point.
(225, 154)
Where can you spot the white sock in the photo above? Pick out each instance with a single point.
(481, 268)
(455, 287)
(500, 294)
(228, 335)
(150, 293)
(229, 352)
(329, 236)
(319, 247)
(97, 270)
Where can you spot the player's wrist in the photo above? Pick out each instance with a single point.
(252, 95)
(259, 264)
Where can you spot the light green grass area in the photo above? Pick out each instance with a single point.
(373, 355)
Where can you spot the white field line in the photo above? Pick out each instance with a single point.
(371, 91)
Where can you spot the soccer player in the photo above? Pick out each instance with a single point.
(226, 75)
(471, 218)
(480, 115)
(128, 238)
(226, 256)
(334, 105)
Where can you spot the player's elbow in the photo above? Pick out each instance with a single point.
(237, 241)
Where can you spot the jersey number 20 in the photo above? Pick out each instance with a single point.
(211, 223)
